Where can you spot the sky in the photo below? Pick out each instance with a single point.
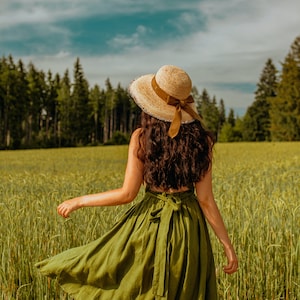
(222, 45)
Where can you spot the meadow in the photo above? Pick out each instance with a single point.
(256, 186)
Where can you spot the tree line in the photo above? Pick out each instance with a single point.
(39, 109)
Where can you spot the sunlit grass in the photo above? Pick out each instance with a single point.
(256, 185)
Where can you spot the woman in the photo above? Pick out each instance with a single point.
(160, 248)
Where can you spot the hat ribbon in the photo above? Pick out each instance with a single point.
(179, 104)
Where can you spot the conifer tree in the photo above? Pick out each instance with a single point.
(256, 123)
(222, 113)
(123, 109)
(96, 100)
(56, 87)
(21, 85)
(212, 117)
(209, 111)
(285, 107)
(109, 105)
(231, 118)
(64, 111)
(80, 111)
(8, 101)
(48, 123)
(34, 109)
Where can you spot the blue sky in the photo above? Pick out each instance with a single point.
(223, 45)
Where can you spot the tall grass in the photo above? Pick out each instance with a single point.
(256, 187)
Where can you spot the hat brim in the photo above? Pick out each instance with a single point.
(145, 97)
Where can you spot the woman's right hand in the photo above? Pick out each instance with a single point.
(68, 206)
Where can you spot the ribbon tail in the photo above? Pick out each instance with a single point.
(160, 276)
(175, 125)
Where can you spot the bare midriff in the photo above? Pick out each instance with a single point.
(170, 191)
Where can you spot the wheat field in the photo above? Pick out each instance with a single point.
(256, 186)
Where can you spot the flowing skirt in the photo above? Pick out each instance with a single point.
(159, 249)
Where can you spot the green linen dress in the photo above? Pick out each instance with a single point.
(159, 249)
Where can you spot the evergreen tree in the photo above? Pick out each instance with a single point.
(256, 124)
(123, 110)
(80, 110)
(285, 107)
(2, 107)
(20, 106)
(34, 109)
(8, 100)
(64, 111)
(55, 108)
(213, 117)
(108, 113)
(96, 100)
(135, 115)
(13, 98)
(48, 123)
(231, 118)
(209, 111)
(204, 100)
(222, 114)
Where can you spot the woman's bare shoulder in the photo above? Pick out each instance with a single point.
(134, 144)
(135, 136)
(137, 132)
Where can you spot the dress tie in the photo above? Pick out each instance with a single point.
(163, 215)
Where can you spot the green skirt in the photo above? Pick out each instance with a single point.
(159, 249)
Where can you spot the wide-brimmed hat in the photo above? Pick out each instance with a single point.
(166, 96)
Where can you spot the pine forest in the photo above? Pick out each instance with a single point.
(45, 110)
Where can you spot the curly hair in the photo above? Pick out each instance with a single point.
(173, 163)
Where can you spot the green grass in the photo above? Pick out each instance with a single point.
(256, 185)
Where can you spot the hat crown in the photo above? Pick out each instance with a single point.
(174, 81)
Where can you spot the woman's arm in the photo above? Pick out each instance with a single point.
(131, 185)
(214, 218)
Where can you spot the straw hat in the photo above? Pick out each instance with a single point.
(166, 96)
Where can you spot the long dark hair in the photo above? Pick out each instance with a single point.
(174, 163)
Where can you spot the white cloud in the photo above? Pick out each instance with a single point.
(34, 12)
(126, 42)
(62, 55)
(186, 20)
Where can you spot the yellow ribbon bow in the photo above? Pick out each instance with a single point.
(179, 104)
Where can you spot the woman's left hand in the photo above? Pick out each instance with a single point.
(232, 265)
